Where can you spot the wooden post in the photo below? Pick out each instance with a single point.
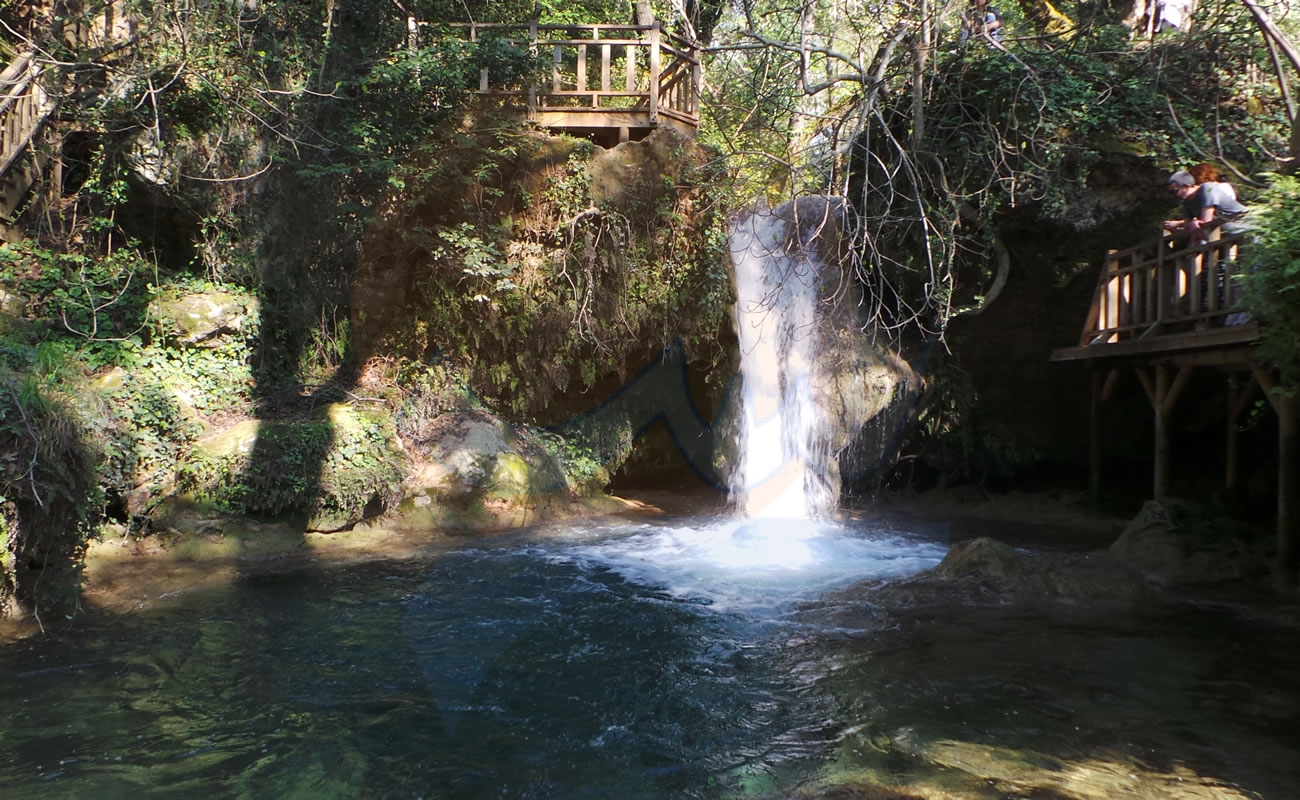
(557, 60)
(582, 68)
(1288, 471)
(605, 57)
(1287, 486)
(1094, 439)
(532, 85)
(1164, 284)
(629, 69)
(654, 73)
(697, 80)
(1163, 394)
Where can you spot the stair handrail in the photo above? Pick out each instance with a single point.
(24, 105)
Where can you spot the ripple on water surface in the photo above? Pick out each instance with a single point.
(674, 659)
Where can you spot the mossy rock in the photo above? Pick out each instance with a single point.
(984, 572)
(336, 469)
(477, 472)
(203, 319)
(1179, 541)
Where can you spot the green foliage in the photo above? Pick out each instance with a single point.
(86, 326)
(1039, 120)
(412, 89)
(583, 466)
(1040, 132)
(95, 303)
(428, 392)
(1272, 276)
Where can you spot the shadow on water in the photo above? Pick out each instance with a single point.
(383, 682)
(524, 669)
(1193, 704)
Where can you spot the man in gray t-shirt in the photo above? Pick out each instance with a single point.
(1220, 199)
(1206, 206)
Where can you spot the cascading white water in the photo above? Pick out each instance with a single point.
(782, 450)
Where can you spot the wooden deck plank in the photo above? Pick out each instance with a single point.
(1188, 342)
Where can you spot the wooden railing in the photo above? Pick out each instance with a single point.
(23, 106)
(598, 75)
(1164, 287)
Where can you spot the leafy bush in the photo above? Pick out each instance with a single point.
(96, 303)
(1272, 278)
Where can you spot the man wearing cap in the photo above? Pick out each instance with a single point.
(1206, 206)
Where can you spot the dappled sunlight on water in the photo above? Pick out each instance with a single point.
(679, 658)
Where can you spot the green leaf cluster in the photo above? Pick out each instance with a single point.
(1271, 275)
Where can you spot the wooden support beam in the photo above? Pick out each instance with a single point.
(1096, 400)
(1266, 383)
(1145, 378)
(1176, 390)
(1238, 398)
(1163, 395)
(1160, 476)
(654, 73)
(1112, 380)
(1288, 474)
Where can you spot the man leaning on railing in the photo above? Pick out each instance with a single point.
(1208, 203)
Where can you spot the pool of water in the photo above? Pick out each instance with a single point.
(686, 658)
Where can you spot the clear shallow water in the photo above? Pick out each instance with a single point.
(635, 661)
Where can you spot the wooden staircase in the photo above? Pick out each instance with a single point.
(24, 107)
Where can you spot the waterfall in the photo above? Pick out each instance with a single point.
(783, 459)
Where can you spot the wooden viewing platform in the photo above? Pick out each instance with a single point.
(612, 83)
(1162, 310)
(1171, 299)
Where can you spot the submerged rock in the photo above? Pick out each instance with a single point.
(1174, 541)
(985, 572)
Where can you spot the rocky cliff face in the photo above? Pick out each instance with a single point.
(543, 265)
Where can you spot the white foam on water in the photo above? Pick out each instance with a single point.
(738, 564)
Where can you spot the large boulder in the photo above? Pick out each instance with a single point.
(476, 472)
(328, 472)
(987, 573)
(203, 319)
(1176, 541)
